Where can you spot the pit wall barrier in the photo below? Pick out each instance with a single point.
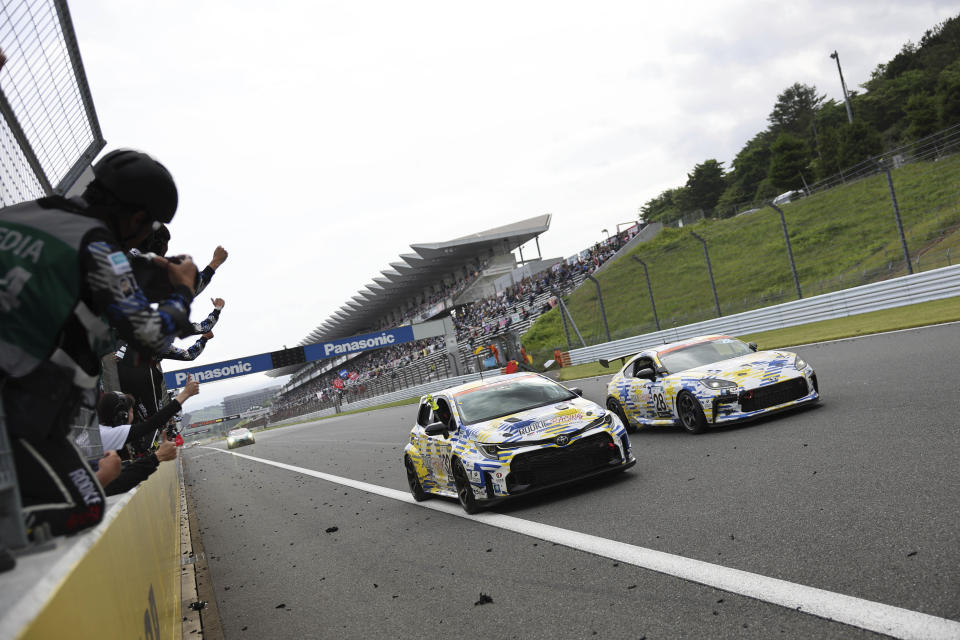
(119, 580)
(935, 284)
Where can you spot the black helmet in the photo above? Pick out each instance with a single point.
(113, 408)
(136, 179)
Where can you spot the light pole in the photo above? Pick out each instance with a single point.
(606, 232)
(846, 96)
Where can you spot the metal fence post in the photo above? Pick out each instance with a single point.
(653, 305)
(566, 329)
(896, 214)
(564, 310)
(713, 285)
(786, 239)
(603, 313)
(563, 318)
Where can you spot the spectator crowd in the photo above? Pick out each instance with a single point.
(474, 322)
(91, 305)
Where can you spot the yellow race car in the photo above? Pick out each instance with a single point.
(707, 381)
(485, 441)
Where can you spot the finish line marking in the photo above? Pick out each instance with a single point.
(837, 607)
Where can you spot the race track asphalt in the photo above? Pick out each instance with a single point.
(858, 496)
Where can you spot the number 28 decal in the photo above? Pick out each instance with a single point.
(660, 403)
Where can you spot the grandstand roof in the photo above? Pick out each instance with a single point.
(416, 271)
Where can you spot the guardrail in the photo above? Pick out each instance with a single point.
(895, 292)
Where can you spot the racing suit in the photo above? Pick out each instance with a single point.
(64, 283)
(142, 376)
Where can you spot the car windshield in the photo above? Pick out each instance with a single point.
(505, 398)
(697, 355)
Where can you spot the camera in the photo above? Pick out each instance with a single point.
(152, 278)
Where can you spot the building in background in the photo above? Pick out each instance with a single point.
(242, 401)
(206, 413)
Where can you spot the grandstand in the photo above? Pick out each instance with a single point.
(425, 284)
(476, 280)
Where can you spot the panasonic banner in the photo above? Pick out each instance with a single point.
(297, 355)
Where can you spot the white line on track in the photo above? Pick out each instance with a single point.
(856, 612)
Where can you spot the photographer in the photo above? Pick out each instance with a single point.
(115, 412)
(65, 273)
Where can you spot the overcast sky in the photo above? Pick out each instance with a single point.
(317, 140)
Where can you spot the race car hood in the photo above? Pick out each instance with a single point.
(540, 423)
(748, 371)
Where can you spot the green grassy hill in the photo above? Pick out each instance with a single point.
(840, 238)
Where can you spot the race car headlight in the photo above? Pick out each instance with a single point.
(800, 363)
(605, 419)
(488, 450)
(718, 383)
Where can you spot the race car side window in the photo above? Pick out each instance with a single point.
(443, 414)
(641, 363)
(423, 417)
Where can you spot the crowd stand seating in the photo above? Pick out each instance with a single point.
(478, 324)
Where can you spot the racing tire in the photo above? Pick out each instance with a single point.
(464, 492)
(230, 446)
(614, 405)
(690, 413)
(413, 480)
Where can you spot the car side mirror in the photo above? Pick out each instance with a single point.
(646, 372)
(436, 429)
(752, 345)
(577, 390)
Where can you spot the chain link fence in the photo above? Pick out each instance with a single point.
(50, 132)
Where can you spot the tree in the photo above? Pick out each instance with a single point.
(857, 142)
(883, 105)
(789, 156)
(795, 110)
(663, 208)
(749, 170)
(705, 184)
(921, 116)
(831, 120)
(948, 95)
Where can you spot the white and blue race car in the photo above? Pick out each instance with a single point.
(482, 442)
(708, 381)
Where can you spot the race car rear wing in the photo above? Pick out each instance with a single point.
(605, 362)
